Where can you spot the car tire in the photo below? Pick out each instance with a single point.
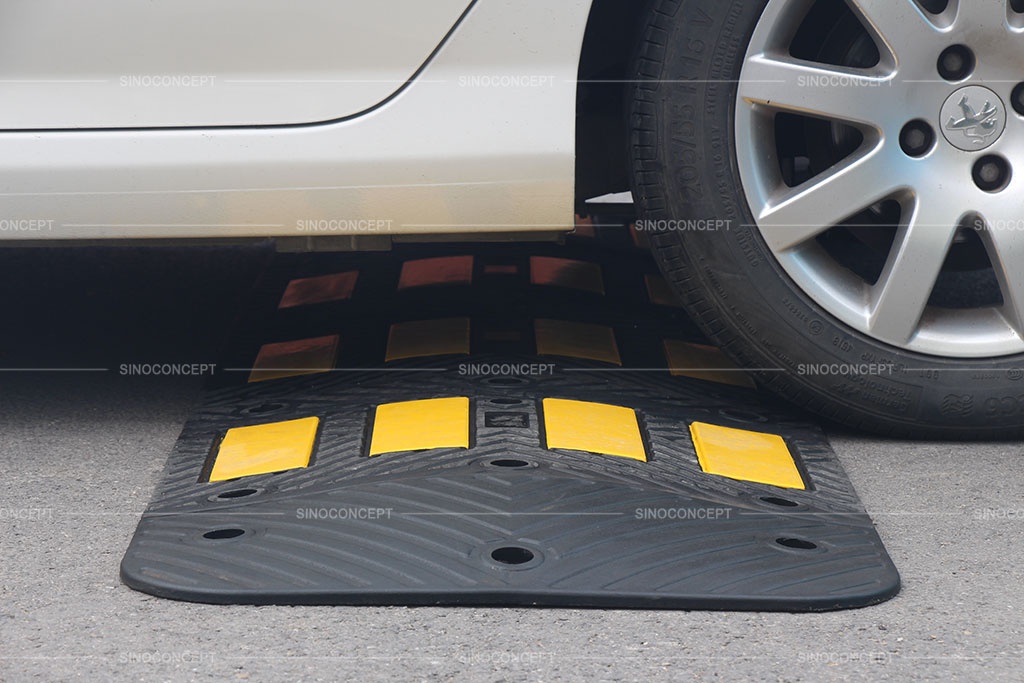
(690, 198)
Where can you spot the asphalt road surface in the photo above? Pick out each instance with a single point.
(82, 446)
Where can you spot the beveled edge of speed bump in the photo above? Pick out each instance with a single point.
(420, 425)
(756, 457)
(593, 428)
(264, 448)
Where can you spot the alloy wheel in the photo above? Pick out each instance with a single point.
(878, 143)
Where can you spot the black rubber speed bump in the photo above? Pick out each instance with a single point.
(508, 520)
(491, 475)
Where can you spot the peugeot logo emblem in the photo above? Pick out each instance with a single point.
(969, 128)
(978, 126)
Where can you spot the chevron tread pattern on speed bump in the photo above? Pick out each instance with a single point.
(534, 478)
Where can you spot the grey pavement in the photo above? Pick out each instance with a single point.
(81, 451)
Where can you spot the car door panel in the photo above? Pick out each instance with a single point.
(184, 63)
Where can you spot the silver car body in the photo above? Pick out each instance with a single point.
(249, 118)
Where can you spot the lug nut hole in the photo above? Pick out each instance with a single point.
(992, 173)
(917, 138)
(1017, 99)
(956, 63)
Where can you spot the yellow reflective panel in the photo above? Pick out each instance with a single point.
(420, 425)
(576, 340)
(747, 456)
(445, 337)
(318, 290)
(659, 293)
(593, 427)
(261, 449)
(563, 272)
(446, 270)
(708, 363)
(294, 358)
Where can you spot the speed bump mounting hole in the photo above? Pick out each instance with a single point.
(223, 534)
(509, 463)
(512, 555)
(796, 543)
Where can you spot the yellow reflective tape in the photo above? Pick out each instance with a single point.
(318, 290)
(747, 456)
(261, 449)
(445, 270)
(420, 425)
(659, 293)
(708, 363)
(569, 273)
(294, 358)
(446, 337)
(593, 427)
(576, 340)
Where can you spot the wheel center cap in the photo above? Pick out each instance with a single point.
(973, 118)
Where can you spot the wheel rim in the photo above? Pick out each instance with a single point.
(937, 120)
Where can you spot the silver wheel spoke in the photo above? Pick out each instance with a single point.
(803, 212)
(900, 24)
(918, 252)
(981, 13)
(810, 88)
(1005, 249)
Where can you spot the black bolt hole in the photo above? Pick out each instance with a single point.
(223, 534)
(509, 463)
(1017, 97)
(511, 555)
(781, 502)
(992, 173)
(237, 493)
(956, 63)
(917, 138)
(796, 543)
